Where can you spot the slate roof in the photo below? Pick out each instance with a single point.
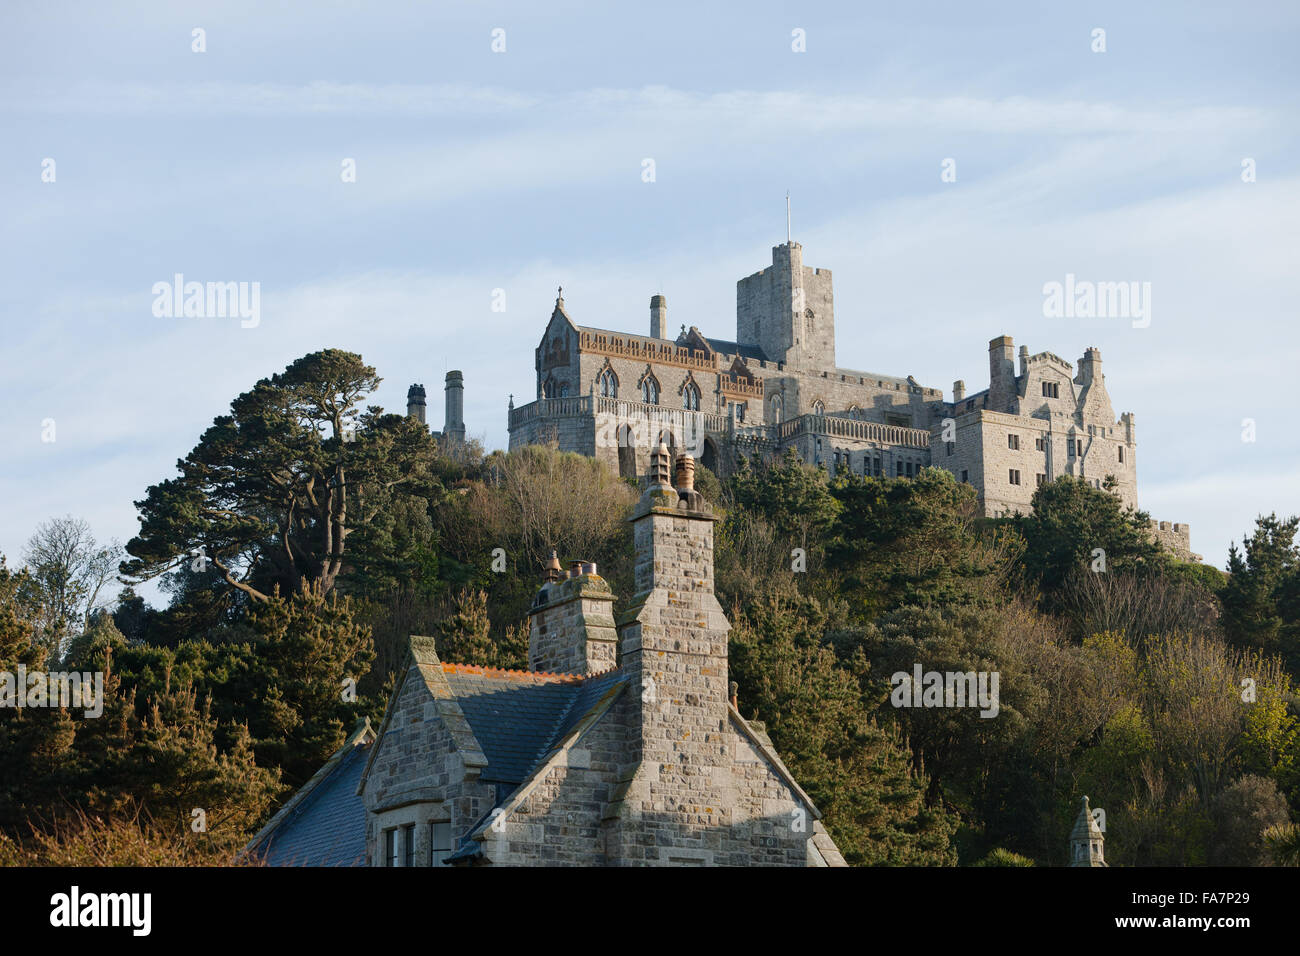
(519, 717)
(736, 348)
(326, 826)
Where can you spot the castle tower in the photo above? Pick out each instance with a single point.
(1087, 842)
(454, 428)
(659, 317)
(673, 637)
(571, 623)
(415, 403)
(788, 310)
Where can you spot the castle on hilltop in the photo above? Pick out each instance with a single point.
(616, 395)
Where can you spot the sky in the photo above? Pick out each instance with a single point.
(1169, 157)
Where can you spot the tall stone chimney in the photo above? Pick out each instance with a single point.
(415, 403)
(454, 428)
(958, 390)
(571, 623)
(659, 317)
(673, 639)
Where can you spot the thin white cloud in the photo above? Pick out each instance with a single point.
(786, 109)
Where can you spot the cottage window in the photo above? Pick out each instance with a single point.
(408, 845)
(439, 842)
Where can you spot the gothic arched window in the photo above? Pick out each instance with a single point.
(778, 409)
(607, 384)
(691, 397)
(819, 407)
(855, 411)
(650, 390)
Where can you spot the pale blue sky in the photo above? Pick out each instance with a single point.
(522, 171)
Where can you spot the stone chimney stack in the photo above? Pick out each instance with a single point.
(1002, 372)
(415, 403)
(454, 428)
(958, 390)
(673, 639)
(571, 623)
(659, 317)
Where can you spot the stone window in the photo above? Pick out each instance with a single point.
(1121, 454)
(963, 478)
(650, 390)
(390, 847)
(1039, 444)
(855, 412)
(607, 384)
(439, 842)
(898, 469)
(691, 397)
(951, 446)
(819, 407)
(778, 409)
(1051, 390)
(408, 845)
(564, 390)
(1040, 480)
(1013, 442)
(1014, 476)
(1078, 448)
(970, 404)
(909, 469)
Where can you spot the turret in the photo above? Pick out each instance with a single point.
(1002, 372)
(1087, 842)
(1090, 367)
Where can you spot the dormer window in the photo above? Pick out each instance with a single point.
(1051, 390)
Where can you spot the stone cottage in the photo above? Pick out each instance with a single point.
(620, 746)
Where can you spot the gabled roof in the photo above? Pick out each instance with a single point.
(518, 717)
(595, 696)
(324, 823)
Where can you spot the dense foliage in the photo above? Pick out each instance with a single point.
(306, 536)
